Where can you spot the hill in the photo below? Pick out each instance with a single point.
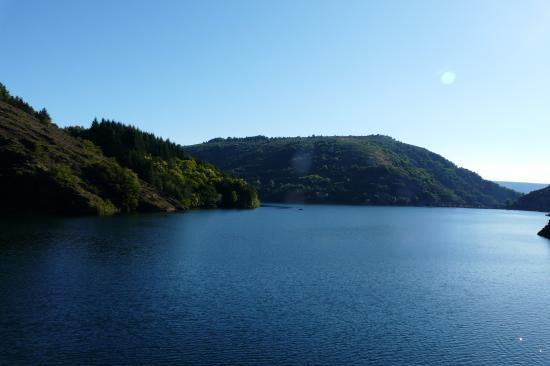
(522, 187)
(44, 169)
(535, 201)
(545, 232)
(356, 170)
(167, 167)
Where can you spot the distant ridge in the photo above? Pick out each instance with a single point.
(538, 200)
(545, 232)
(522, 187)
(376, 170)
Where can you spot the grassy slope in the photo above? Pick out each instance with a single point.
(41, 170)
(359, 170)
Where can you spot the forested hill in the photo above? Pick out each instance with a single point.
(167, 167)
(535, 201)
(356, 170)
(44, 169)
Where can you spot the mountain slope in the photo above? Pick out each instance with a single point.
(521, 187)
(168, 168)
(535, 201)
(356, 169)
(43, 169)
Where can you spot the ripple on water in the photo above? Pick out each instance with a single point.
(327, 285)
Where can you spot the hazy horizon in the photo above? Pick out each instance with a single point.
(466, 80)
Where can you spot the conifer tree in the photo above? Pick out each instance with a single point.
(44, 116)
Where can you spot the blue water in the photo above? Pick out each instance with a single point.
(326, 285)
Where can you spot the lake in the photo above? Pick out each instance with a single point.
(323, 285)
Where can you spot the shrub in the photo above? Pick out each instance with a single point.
(120, 185)
(64, 174)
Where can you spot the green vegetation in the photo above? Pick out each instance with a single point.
(5, 96)
(111, 167)
(120, 185)
(45, 169)
(167, 167)
(535, 201)
(64, 174)
(356, 170)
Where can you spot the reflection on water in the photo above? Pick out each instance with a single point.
(326, 285)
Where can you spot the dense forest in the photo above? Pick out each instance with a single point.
(111, 167)
(538, 200)
(45, 169)
(167, 167)
(373, 169)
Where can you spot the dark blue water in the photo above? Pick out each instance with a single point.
(326, 285)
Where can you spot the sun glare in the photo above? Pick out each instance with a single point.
(448, 78)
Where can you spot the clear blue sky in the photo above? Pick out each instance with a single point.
(467, 79)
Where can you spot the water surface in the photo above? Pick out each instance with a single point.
(325, 285)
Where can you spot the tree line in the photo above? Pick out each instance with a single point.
(168, 167)
(17, 102)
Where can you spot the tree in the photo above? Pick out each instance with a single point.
(19, 103)
(4, 94)
(120, 185)
(43, 116)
